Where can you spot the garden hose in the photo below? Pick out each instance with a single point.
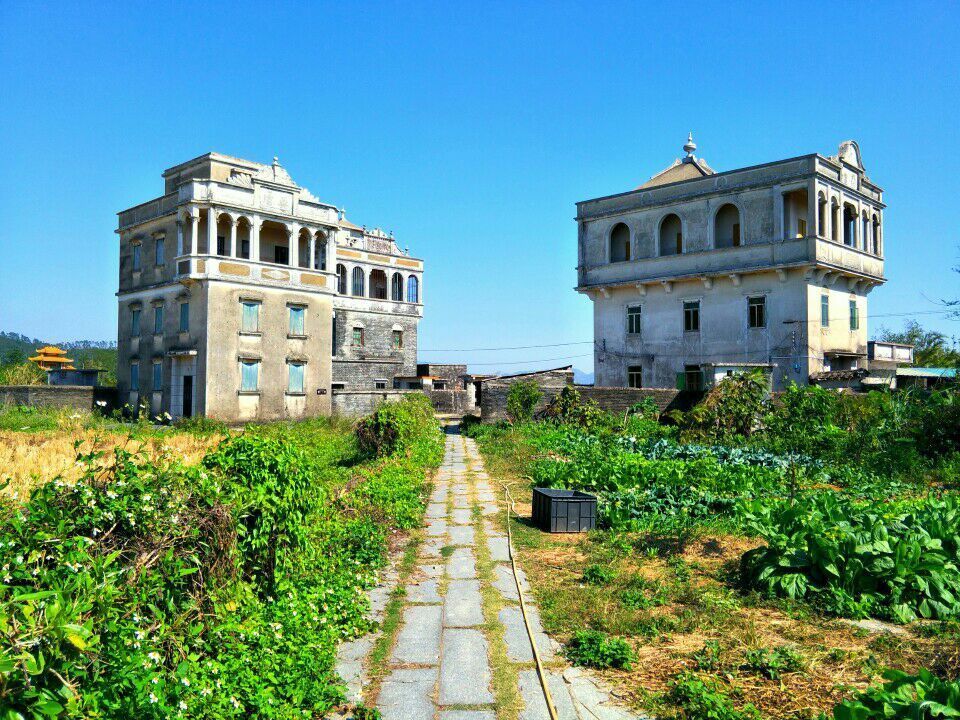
(541, 674)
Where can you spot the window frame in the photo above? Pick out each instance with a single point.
(413, 289)
(635, 373)
(248, 303)
(255, 366)
(634, 319)
(854, 316)
(158, 320)
(355, 331)
(396, 339)
(135, 322)
(302, 370)
(137, 257)
(156, 382)
(824, 310)
(185, 317)
(292, 329)
(159, 252)
(691, 311)
(758, 303)
(135, 375)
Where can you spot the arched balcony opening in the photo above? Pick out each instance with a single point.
(357, 281)
(304, 240)
(671, 235)
(821, 215)
(320, 253)
(849, 225)
(378, 285)
(726, 227)
(620, 243)
(202, 235)
(413, 289)
(795, 214)
(341, 279)
(274, 243)
(224, 228)
(396, 287)
(244, 233)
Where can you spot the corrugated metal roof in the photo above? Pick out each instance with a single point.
(927, 372)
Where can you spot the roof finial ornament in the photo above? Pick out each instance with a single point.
(276, 160)
(689, 148)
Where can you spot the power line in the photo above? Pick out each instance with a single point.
(517, 347)
(541, 360)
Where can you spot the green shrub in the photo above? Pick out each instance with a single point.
(920, 696)
(522, 399)
(772, 663)
(599, 575)
(407, 426)
(698, 699)
(593, 648)
(708, 658)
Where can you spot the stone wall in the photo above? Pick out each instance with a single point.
(448, 402)
(357, 403)
(59, 396)
(620, 399)
(493, 393)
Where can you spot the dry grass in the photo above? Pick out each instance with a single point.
(30, 458)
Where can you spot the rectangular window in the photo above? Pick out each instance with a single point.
(158, 320)
(380, 384)
(135, 322)
(249, 375)
(281, 255)
(825, 311)
(157, 377)
(295, 378)
(439, 384)
(801, 227)
(296, 320)
(136, 258)
(245, 249)
(250, 321)
(135, 376)
(184, 317)
(398, 339)
(221, 245)
(691, 316)
(757, 312)
(634, 376)
(159, 252)
(357, 339)
(633, 320)
(337, 386)
(854, 316)
(693, 377)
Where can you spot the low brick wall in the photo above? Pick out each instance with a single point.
(357, 403)
(79, 397)
(448, 402)
(620, 399)
(493, 393)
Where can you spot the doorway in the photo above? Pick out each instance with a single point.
(187, 407)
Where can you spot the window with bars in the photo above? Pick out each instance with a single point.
(356, 339)
(633, 320)
(357, 282)
(250, 318)
(635, 376)
(757, 312)
(691, 316)
(398, 339)
(413, 289)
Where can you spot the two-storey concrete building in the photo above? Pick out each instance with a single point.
(697, 274)
(242, 296)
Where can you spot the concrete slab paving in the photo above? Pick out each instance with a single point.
(418, 641)
(461, 516)
(534, 704)
(465, 670)
(499, 548)
(424, 591)
(462, 565)
(461, 535)
(463, 606)
(406, 694)
(515, 635)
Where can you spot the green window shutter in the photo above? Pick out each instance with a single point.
(681, 381)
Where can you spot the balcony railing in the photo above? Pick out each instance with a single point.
(217, 267)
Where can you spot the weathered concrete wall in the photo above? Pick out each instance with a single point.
(59, 396)
(449, 402)
(357, 403)
(620, 399)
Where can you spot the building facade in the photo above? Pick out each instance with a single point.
(242, 296)
(698, 274)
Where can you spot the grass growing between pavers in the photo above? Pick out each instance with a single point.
(392, 619)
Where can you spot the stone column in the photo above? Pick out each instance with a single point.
(828, 220)
(312, 262)
(779, 232)
(858, 240)
(211, 231)
(255, 238)
(331, 250)
(293, 245)
(233, 237)
(179, 237)
(813, 209)
(194, 233)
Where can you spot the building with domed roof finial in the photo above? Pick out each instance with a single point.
(698, 274)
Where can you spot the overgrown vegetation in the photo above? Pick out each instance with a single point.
(816, 505)
(152, 589)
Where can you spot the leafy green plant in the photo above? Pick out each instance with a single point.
(522, 399)
(920, 696)
(599, 574)
(708, 657)
(593, 648)
(773, 663)
(699, 699)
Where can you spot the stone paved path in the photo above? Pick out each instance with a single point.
(461, 611)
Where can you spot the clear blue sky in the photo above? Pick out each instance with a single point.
(470, 130)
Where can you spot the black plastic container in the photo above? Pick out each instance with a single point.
(564, 511)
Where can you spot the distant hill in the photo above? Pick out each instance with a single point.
(581, 377)
(16, 348)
